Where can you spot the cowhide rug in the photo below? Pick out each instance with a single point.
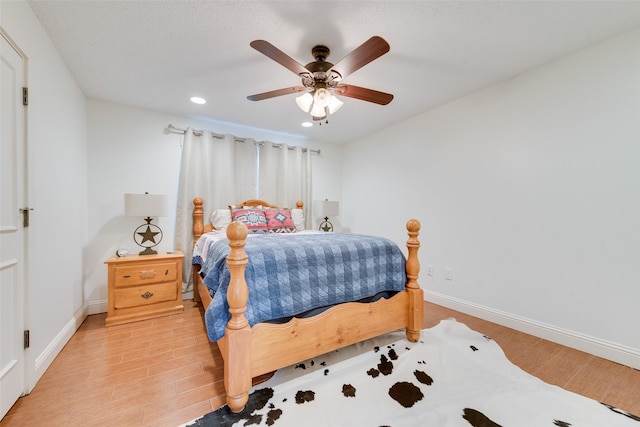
(453, 376)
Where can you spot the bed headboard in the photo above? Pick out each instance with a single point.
(199, 227)
(257, 202)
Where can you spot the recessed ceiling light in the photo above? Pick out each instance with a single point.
(198, 100)
(307, 124)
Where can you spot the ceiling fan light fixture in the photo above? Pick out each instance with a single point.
(304, 102)
(334, 104)
(320, 104)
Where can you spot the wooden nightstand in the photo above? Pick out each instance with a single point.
(144, 286)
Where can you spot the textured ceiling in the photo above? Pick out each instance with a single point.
(157, 54)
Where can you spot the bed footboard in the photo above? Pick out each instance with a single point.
(250, 352)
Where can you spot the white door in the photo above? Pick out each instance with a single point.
(12, 231)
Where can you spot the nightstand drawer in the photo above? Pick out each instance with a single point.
(144, 274)
(145, 295)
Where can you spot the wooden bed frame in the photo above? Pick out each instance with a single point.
(250, 352)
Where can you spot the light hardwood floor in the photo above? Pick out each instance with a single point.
(164, 372)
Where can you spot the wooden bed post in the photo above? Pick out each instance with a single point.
(237, 360)
(198, 229)
(198, 221)
(416, 295)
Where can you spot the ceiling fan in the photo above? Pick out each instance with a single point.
(321, 80)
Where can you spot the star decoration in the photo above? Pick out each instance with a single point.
(148, 235)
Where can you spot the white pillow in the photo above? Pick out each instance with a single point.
(220, 218)
(297, 215)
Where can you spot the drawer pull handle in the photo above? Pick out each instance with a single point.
(126, 276)
(147, 274)
(147, 295)
(166, 272)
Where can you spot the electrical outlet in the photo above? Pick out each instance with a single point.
(448, 273)
(430, 270)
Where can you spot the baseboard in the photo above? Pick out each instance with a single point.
(608, 350)
(96, 307)
(44, 360)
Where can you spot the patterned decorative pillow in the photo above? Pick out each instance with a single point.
(254, 219)
(279, 221)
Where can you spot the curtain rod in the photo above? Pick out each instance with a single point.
(196, 132)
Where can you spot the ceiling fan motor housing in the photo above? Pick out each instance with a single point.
(319, 77)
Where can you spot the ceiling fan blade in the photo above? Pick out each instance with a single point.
(277, 55)
(277, 92)
(363, 94)
(373, 48)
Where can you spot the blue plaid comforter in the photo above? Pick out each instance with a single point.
(289, 275)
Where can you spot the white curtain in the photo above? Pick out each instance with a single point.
(285, 176)
(221, 171)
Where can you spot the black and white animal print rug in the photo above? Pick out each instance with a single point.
(453, 376)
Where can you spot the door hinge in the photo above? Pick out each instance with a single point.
(26, 339)
(25, 216)
(25, 96)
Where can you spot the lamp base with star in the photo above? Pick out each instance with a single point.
(145, 236)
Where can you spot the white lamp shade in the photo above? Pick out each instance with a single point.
(322, 97)
(151, 205)
(334, 105)
(328, 208)
(318, 112)
(304, 102)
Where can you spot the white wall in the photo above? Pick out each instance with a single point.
(131, 151)
(57, 190)
(529, 191)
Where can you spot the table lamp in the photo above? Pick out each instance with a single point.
(327, 208)
(146, 205)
